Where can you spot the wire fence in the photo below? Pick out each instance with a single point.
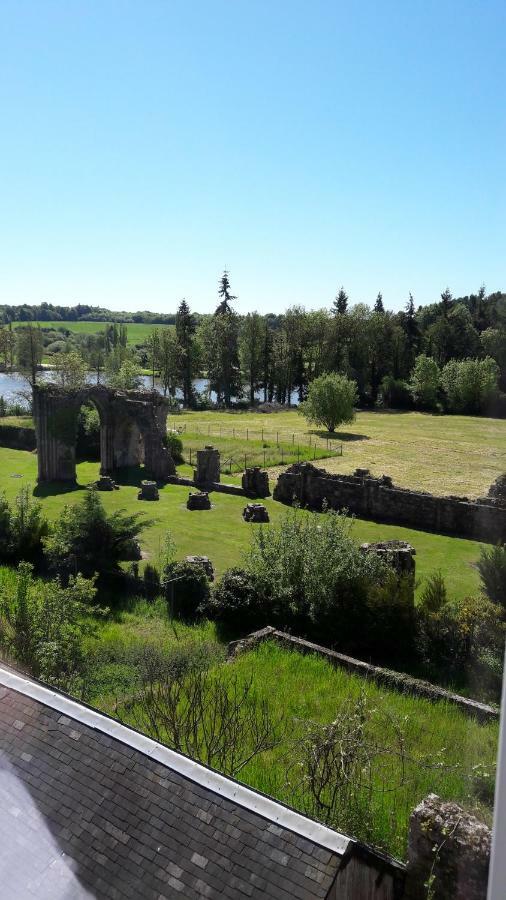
(277, 456)
(264, 435)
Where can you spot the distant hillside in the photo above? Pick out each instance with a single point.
(48, 312)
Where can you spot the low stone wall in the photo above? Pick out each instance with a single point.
(17, 437)
(379, 499)
(387, 677)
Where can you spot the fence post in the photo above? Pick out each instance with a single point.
(262, 435)
(233, 432)
(247, 434)
(245, 458)
(190, 456)
(293, 439)
(277, 437)
(264, 459)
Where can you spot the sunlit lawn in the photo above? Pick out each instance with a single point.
(221, 533)
(442, 454)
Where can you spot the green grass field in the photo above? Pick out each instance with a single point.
(444, 751)
(221, 533)
(441, 454)
(137, 332)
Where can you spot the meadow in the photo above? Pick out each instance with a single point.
(459, 455)
(221, 533)
(137, 332)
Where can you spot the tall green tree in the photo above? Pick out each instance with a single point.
(29, 351)
(187, 350)
(331, 401)
(251, 348)
(378, 304)
(340, 305)
(221, 339)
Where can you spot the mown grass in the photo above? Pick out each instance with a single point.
(442, 454)
(220, 532)
(137, 332)
(443, 751)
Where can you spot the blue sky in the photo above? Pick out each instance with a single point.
(146, 145)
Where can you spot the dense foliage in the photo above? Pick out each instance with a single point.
(330, 401)
(86, 540)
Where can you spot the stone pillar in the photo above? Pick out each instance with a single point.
(398, 554)
(55, 416)
(208, 466)
(449, 850)
(255, 482)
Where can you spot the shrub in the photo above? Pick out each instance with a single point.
(22, 528)
(235, 602)
(88, 433)
(86, 540)
(49, 623)
(313, 578)
(151, 577)
(492, 569)
(186, 589)
(175, 447)
(395, 393)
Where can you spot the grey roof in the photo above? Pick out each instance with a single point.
(90, 808)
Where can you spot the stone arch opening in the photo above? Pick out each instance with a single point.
(133, 427)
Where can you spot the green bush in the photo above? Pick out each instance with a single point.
(87, 540)
(151, 577)
(48, 624)
(186, 589)
(395, 393)
(22, 528)
(492, 569)
(236, 603)
(175, 447)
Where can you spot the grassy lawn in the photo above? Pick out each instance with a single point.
(442, 454)
(238, 452)
(221, 533)
(301, 688)
(137, 331)
(445, 751)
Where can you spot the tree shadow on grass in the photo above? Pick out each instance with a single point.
(53, 488)
(346, 436)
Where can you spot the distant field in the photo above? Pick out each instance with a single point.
(137, 333)
(221, 533)
(442, 454)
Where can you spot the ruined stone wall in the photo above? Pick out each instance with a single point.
(379, 499)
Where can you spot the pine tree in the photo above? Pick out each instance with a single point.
(187, 353)
(341, 303)
(378, 306)
(446, 302)
(224, 292)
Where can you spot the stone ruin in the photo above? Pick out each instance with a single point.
(208, 466)
(448, 847)
(198, 500)
(381, 500)
(133, 430)
(106, 483)
(398, 554)
(255, 512)
(148, 491)
(203, 561)
(255, 482)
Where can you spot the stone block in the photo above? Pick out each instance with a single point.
(106, 483)
(198, 500)
(148, 491)
(203, 561)
(398, 554)
(255, 512)
(255, 482)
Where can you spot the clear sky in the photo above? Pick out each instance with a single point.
(146, 145)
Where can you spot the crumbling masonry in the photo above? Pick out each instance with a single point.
(382, 501)
(133, 426)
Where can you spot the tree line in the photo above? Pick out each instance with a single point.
(449, 354)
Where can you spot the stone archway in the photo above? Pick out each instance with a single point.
(126, 417)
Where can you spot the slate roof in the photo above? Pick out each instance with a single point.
(91, 809)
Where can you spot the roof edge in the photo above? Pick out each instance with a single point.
(208, 778)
